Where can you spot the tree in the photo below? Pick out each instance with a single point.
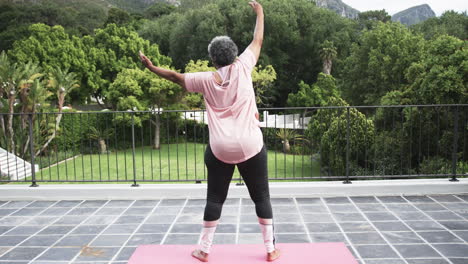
(158, 9)
(327, 54)
(449, 23)
(118, 16)
(369, 19)
(63, 82)
(314, 95)
(378, 62)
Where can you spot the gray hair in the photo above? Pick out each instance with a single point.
(222, 50)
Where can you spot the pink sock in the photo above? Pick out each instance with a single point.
(208, 231)
(267, 231)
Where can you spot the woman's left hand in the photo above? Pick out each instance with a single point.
(147, 62)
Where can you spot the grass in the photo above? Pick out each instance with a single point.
(173, 162)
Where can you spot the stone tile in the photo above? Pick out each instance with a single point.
(13, 220)
(193, 210)
(47, 262)
(110, 240)
(16, 204)
(145, 203)
(446, 198)
(181, 239)
(196, 202)
(247, 202)
(376, 251)
(23, 230)
(110, 211)
(83, 211)
(429, 207)
(185, 219)
(348, 217)
(224, 239)
(225, 228)
(391, 199)
(129, 219)
(121, 229)
(67, 203)
(75, 240)
(97, 254)
(281, 209)
(289, 228)
(287, 218)
(371, 238)
(92, 203)
(283, 201)
(313, 209)
(337, 200)
(230, 210)
(232, 202)
(125, 254)
(23, 253)
(55, 211)
(319, 217)
(145, 239)
(101, 220)
(364, 199)
(384, 261)
(309, 201)
(323, 227)
(41, 220)
(56, 230)
(119, 203)
(187, 228)
(327, 237)
(27, 212)
(464, 197)
(250, 239)
(453, 250)
(427, 261)
(292, 238)
(5, 212)
(380, 216)
(41, 204)
(167, 210)
(71, 220)
(138, 211)
(444, 215)
(457, 207)
(417, 251)
(418, 198)
(160, 219)
(401, 208)
(59, 253)
(411, 216)
(4, 229)
(357, 227)
(249, 228)
(153, 228)
(172, 202)
(458, 260)
(365, 207)
(462, 234)
(424, 225)
(342, 208)
(397, 237)
(455, 225)
(41, 241)
(439, 237)
(88, 229)
(391, 226)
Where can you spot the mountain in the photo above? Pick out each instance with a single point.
(414, 15)
(339, 7)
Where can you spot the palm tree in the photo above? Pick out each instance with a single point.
(327, 54)
(100, 136)
(64, 82)
(286, 135)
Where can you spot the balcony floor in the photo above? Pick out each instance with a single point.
(426, 229)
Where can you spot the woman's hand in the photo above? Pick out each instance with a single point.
(147, 62)
(257, 7)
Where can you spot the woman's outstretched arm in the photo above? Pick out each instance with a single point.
(256, 44)
(169, 75)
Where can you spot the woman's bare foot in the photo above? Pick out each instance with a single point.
(200, 255)
(272, 256)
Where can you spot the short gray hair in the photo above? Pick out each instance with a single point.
(222, 50)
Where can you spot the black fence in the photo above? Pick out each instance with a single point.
(304, 144)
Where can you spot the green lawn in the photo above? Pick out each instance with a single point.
(172, 162)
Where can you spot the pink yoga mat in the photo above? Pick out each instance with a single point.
(294, 253)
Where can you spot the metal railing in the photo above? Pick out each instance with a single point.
(304, 144)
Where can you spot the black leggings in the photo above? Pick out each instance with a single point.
(254, 171)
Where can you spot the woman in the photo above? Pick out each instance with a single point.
(234, 131)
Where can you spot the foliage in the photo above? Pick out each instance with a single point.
(449, 23)
(316, 94)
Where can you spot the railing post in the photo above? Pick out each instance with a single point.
(31, 147)
(347, 147)
(455, 145)
(133, 150)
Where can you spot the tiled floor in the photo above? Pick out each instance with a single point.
(377, 229)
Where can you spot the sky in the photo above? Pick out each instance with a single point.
(395, 6)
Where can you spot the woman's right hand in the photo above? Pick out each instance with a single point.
(257, 7)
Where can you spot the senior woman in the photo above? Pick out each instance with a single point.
(235, 137)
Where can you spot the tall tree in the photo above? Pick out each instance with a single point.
(327, 54)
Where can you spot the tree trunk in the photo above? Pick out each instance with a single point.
(57, 124)
(157, 125)
(11, 102)
(286, 146)
(327, 66)
(102, 146)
